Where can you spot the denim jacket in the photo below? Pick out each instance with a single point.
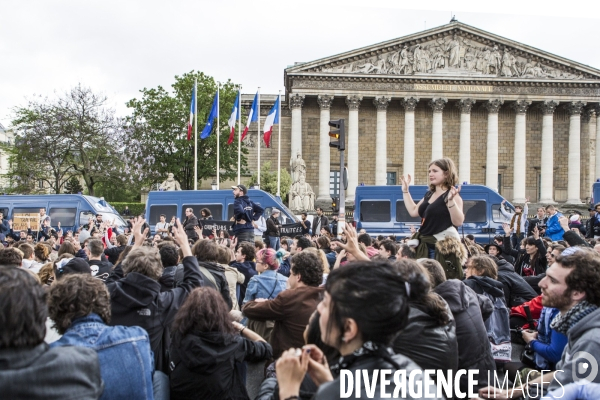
(126, 361)
(265, 286)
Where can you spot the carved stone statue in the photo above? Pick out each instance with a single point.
(454, 46)
(170, 184)
(302, 196)
(298, 167)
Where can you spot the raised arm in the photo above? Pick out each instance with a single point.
(409, 203)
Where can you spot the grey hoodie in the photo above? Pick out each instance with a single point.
(583, 337)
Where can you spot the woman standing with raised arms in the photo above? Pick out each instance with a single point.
(441, 209)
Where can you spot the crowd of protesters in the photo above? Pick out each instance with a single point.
(95, 314)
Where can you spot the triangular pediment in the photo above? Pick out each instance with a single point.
(451, 51)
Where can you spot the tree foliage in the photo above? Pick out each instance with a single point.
(268, 180)
(74, 134)
(73, 186)
(158, 131)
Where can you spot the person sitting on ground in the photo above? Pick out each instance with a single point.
(387, 249)
(29, 261)
(244, 262)
(135, 292)
(469, 311)
(362, 335)
(406, 251)
(234, 277)
(324, 244)
(169, 258)
(365, 239)
(292, 308)
(206, 252)
(516, 289)
(208, 348)
(429, 337)
(530, 259)
(571, 284)
(79, 305)
(29, 369)
(100, 268)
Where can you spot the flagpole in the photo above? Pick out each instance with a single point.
(258, 143)
(239, 131)
(218, 134)
(195, 134)
(279, 148)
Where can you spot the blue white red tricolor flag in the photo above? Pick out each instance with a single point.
(272, 119)
(192, 108)
(252, 116)
(233, 118)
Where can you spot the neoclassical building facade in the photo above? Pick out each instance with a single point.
(517, 119)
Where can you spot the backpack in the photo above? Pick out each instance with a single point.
(498, 330)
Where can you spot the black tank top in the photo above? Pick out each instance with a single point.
(435, 217)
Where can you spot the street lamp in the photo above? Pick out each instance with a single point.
(214, 184)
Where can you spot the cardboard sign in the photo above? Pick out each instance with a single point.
(209, 225)
(20, 221)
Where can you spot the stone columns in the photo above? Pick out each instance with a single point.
(353, 103)
(437, 135)
(574, 167)
(296, 102)
(409, 104)
(324, 150)
(520, 157)
(464, 155)
(589, 118)
(547, 158)
(491, 168)
(381, 103)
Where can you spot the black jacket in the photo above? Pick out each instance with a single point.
(324, 222)
(331, 390)
(113, 253)
(273, 227)
(206, 366)
(104, 268)
(189, 223)
(516, 289)
(218, 273)
(428, 344)
(485, 284)
(469, 311)
(522, 258)
(136, 300)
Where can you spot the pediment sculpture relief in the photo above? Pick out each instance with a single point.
(452, 55)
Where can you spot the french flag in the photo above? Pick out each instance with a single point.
(272, 119)
(233, 118)
(192, 109)
(252, 116)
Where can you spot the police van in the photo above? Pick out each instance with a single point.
(380, 210)
(71, 210)
(218, 202)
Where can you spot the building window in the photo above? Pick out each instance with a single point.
(391, 178)
(334, 183)
(40, 184)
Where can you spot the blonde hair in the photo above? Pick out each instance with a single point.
(451, 174)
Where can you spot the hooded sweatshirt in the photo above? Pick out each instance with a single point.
(136, 300)
(516, 289)
(205, 366)
(583, 342)
(469, 311)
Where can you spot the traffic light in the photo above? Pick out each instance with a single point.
(335, 204)
(338, 132)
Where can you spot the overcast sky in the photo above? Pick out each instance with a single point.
(120, 47)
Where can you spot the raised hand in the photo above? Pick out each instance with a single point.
(453, 193)
(507, 229)
(405, 182)
(138, 235)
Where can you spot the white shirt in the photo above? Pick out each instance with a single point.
(261, 224)
(161, 225)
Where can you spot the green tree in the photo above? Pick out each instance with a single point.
(73, 186)
(268, 180)
(158, 131)
(74, 134)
